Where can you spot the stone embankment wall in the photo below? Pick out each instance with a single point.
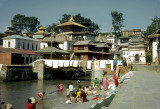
(38, 67)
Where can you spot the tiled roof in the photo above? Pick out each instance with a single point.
(100, 45)
(101, 39)
(71, 23)
(54, 50)
(17, 51)
(85, 51)
(3, 34)
(82, 42)
(125, 37)
(154, 35)
(82, 32)
(20, 37)
(38, 36)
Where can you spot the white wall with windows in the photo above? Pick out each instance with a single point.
(21, 43)
(43, 45)
(30, 58)
(137, 55)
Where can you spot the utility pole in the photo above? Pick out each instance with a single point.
(51, 43)
(156, 18)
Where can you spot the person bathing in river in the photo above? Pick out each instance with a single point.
(73, 98)
(84, 97)
(71, 88)
(41, 94)
(68, 92)
(79, 91)
(60, 87)
(6, 105)
(30, 104)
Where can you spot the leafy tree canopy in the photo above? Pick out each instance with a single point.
(117, 22)
(53, 27)
(152, 27)
(21, 23)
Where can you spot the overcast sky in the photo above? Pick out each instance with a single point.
(137, 13)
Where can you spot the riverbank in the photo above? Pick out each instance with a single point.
(141, 92)
(104, 97)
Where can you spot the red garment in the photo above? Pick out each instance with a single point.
(60, 87)
(31, 106)
(115, 73)
(116, 82)
(40, 95)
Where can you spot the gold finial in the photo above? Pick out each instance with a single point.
(71, 18)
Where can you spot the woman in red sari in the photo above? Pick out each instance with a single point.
(115, 77)
(105, 81)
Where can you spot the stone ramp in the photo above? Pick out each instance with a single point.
(141, 92)
(145, 67)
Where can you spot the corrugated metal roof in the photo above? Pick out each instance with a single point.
(18, 51)
(53, 50)
(20, 37)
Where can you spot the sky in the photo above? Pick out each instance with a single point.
(138, 14)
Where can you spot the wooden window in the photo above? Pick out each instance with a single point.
(80, 48)
(18, 44)
(23, 45)
(9, 44)
(32, 47)
(28, 46)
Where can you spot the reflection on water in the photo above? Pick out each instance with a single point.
(17, 93)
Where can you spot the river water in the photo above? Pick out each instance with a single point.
(17, 93)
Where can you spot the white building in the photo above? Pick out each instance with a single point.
(155, 38)
(113, 40)
(22, 45)
(134, 50)
(21, 42)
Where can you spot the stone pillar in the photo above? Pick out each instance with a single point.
(39, 69)
(96, 73)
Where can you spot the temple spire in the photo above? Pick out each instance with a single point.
(71, 18)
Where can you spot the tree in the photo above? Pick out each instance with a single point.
(152, 27)
(82, 20)
(117, 20)
(31, 24)
(21, 23)
(54, 28)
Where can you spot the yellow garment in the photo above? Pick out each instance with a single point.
(78, 95)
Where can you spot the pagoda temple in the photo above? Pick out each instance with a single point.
(72, 32)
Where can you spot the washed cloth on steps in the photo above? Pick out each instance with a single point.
(55, 63)
(89, 64)
(75, 63)
(102, 64)
(60, 63)
(66, 63)
(71, 63)
(48, 63)
(96, 65)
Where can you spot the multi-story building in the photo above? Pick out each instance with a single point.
(133, 32)
(72, 32)
(19, 50)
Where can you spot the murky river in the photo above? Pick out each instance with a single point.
(17, 93)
